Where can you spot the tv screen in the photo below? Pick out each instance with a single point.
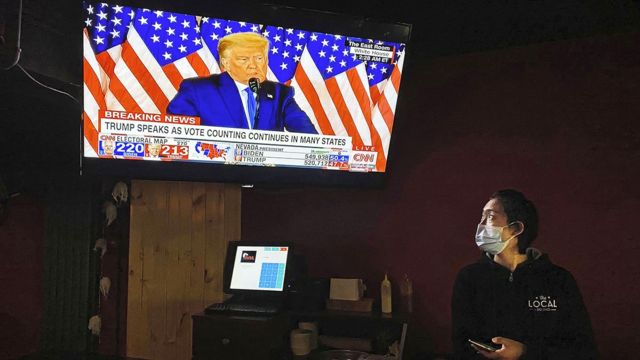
(256, 269)
(165, 89)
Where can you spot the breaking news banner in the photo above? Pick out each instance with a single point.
(163, 137)
(117, 122)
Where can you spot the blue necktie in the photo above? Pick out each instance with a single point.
(251, 106)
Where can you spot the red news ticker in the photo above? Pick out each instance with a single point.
(158, 118)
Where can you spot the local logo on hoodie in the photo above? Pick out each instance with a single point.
(542, 303)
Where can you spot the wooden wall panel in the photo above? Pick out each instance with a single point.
(178, 239)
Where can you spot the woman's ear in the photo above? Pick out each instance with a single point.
(518, 228)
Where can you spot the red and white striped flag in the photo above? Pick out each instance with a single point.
(347, 96)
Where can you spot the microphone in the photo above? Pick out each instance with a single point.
(254, 85)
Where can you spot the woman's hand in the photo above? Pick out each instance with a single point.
(510, 350)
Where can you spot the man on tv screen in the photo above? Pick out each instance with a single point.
(241, 97)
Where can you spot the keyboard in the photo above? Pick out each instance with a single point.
(243, 309)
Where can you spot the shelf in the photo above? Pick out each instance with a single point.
(236, 337)
(381, 330)
(393, 317)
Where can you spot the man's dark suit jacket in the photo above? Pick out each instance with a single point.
(215, 99)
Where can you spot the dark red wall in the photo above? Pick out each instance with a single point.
(558, 121)
(21, 292)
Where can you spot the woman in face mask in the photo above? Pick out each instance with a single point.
(495, 234)
(514, 299)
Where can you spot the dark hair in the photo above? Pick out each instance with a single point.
(519, 208)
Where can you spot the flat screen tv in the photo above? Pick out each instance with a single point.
(249, 94)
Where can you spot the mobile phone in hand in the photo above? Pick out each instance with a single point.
(484, 346)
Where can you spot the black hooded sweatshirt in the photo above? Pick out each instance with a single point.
(539, 304)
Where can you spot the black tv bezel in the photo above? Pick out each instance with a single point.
(282, 15)
(260, 176)
(232, 249)
(250, 176)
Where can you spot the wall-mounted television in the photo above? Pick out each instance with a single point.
(232, 93)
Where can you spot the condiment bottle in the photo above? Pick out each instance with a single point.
(406, 294)
(385, 295)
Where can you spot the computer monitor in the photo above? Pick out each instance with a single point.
(257, 270)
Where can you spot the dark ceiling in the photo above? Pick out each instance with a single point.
(440, 27)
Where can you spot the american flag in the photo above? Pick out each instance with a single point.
(345, 95)
(135, 59)
(286, 46)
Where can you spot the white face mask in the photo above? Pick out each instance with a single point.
(489, 238)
